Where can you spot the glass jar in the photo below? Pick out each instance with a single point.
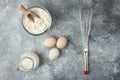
(35, 28)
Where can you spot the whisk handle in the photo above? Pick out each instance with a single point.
(86, 72)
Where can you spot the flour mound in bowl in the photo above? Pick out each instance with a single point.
(39, 25)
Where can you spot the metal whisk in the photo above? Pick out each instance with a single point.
(85, 23)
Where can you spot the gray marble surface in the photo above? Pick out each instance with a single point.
(104, 51)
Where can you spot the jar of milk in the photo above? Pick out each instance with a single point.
(29, 61)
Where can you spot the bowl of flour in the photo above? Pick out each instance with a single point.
(41, 24)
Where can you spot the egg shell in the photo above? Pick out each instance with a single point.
(49, 42)
(54, 54)
(61, 42)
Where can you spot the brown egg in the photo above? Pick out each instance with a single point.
(49, 42)
(53, 54)
(61, 42)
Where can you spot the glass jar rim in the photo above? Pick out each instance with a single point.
(20, 66)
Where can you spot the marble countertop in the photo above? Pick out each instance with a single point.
(104, 44)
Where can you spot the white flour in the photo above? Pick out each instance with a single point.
(41, 24)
